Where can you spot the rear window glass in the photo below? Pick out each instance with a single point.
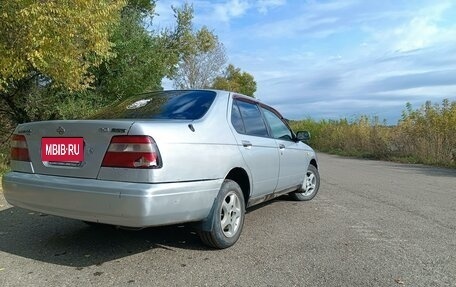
(186, 105)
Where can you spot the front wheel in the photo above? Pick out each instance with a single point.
(227, 218)
(310, 185)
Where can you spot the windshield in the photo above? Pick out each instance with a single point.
(186, 105)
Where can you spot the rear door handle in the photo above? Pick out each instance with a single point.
(281, 146)
(246, 144)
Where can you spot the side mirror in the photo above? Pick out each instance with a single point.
(303, 136)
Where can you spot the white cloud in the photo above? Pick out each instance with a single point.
(293, 27)
(264, 5)
(230, 9)
(429, 93)
(420, 31)
(417, 34)
(315, 5)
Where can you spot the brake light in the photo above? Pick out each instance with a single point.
(19, 149)
(132, 152)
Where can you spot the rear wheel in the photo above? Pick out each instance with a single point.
(227, 218)
(310, 185)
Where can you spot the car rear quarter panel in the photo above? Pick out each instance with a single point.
(208, 152)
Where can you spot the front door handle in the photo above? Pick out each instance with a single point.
(246, 144)
(281, 146)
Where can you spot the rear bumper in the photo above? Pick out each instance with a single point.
(112, 202)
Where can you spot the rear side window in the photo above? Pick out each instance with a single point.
(236, 119)
(186, 105)
(252, 118)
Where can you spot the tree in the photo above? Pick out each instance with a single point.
(71, 61)
(143, 58)
(202, 56)
(236, 81)
(51, 43)
(202, 64)
(58, 39)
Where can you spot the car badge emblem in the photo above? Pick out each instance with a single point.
(60, 130)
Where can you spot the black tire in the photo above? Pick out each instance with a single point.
(308, 189)
(224, 234)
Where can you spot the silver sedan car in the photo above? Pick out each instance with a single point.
(167, 157)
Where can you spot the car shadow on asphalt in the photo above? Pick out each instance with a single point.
(269, 202)
(69, 242)
(74, 243)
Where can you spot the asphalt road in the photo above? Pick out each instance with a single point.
(372, 224)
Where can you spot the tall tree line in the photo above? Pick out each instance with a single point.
(68, 58)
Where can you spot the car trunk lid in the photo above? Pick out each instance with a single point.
(95, 135)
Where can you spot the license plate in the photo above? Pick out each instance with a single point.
(62, 149)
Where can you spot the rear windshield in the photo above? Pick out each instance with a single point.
(186, 105)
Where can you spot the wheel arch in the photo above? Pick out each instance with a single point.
(314, 163)
(241, 177)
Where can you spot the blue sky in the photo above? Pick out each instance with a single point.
(333, 59)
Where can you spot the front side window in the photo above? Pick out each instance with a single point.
(278, 128)
(253, 120)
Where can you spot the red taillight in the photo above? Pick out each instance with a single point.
(132, 152)
(19, 149)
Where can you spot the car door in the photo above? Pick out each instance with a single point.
(258, 149)
(293, 159)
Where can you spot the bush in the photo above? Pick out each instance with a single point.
(5, 133)
(426, 135)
